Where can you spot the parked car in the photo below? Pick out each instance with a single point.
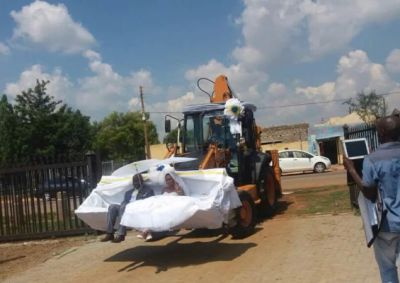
(299, 160)
(70, 185)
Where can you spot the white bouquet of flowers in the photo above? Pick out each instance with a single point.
(233, 110)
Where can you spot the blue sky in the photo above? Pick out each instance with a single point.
(275, 53)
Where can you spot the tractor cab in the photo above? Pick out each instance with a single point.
(207, 136)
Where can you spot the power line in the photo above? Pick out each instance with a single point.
(319, 102)
(389, 93)
(287, 105)
(164, 112)
(302, 104)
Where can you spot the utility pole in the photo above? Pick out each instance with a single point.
(301, 140)
(384, 106)
(146, 142)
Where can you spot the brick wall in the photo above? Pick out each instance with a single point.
(285, 134)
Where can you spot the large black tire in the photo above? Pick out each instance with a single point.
(245, 217)
(268, 189)
(319, 167)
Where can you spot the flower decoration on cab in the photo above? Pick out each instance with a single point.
(233, 108)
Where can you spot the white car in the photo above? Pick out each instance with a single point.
(293, 160)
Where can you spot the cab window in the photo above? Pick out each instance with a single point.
(191, 138)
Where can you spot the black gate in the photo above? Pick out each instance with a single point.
(369, 132)
(39, 200)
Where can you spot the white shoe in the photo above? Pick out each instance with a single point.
(149, 237)
(140, 236)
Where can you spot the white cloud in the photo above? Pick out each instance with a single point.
(275, 30)
(50, 26)
(333, 24)
(277, 89)
(287, 31)
(143, 78)
(324, 92)
(102, 92)
(245, 83)
(134, 103)
(174, 107)
(297, 29)
(393, 61)
(106, 90)
(60, 86)
(91, 55)
(356, 73)
(4, 49)
(177, 105)
(267, 28)
(212, 69)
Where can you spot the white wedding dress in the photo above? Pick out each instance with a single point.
(209, 197)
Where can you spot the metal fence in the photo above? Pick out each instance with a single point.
(39, 200)
(369, 132)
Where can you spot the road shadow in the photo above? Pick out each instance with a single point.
(176, 254)
(304, 173)
(201, 233)
(12, 259)
(221, 233)
(282, 206)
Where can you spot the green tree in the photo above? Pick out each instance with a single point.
(35, 113)
(121, 136)
(73, 132)
(8, 124)
(368, 106)
(171, 137)
(47, 127)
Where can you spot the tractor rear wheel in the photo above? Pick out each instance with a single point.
(245, 217)
(268, 192)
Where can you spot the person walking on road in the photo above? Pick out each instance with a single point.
(381, 171)
(115, 211)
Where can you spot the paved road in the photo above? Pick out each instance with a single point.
(310, 180)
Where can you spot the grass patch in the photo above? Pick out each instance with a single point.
(326, 200)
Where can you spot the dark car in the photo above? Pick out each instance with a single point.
(71, 186)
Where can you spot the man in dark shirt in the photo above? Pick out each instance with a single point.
(115, 211)
(381, 171)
